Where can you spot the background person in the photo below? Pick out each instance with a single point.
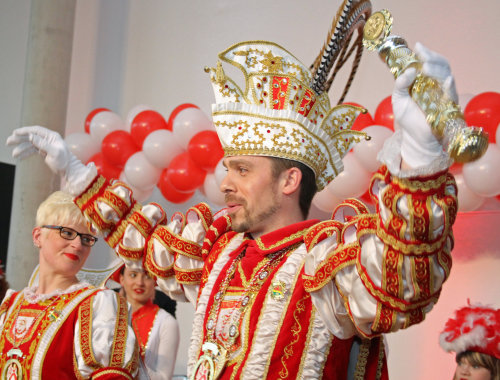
(474, 335)
(156, 330)
(62, 328)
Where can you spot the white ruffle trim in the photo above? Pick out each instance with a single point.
(30, 294)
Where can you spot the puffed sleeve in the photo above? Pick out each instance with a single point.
(372, 273)
(105, 344)
(161, 351)
(143, 238)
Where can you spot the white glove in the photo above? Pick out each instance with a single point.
(58, 157)
(419, 146)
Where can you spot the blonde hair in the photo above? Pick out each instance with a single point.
(489, 362)
(59, 209)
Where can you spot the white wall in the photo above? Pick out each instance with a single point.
(132, 52)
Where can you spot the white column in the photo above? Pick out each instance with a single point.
(45, 96)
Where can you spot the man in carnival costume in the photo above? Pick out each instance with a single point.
(277, 295)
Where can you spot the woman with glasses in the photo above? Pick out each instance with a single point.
(62, 328)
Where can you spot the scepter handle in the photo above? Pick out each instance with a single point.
(461, 142)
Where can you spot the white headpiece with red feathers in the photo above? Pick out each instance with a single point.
(474, 328)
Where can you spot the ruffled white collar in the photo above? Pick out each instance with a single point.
(30, 293)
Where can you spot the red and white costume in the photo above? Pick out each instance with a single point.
(157, 333)
(52, 336)
(359, 274)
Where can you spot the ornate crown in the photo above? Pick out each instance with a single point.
(279, 114)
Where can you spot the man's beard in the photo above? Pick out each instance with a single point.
(248, 222)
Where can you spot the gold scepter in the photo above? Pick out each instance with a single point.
(463, 143)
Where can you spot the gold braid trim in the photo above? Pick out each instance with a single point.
(364, 351)
(116, 236)
(129, 253)
(381, 355)
(96, 187)
(112, 371)
(295, 330)
(321, 231)
(120, 336)
(152, 267)
(328, 269)
(177, 244)
(394, 302)
(204, 213)
(133, 364)
(188, 276)
(85, 320)
(414, 185)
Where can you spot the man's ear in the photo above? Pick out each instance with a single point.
(291, 180)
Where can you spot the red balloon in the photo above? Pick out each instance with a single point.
(483, 110)
(90, 116)
(184, 174)
(144, 123)
(363, 119)
(105, 168)
(170, 193)
(173, 114)
(205, 150)
(118, 146)
(384, 115)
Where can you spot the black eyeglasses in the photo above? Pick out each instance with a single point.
(70, 234)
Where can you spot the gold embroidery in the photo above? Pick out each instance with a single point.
(115, 236)
(97, 186)
(117, 358)
(85, 321)
(107, 372)
(295, 330)
(294, 236)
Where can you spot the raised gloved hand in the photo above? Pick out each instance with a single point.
(419, 146)
(58, 157)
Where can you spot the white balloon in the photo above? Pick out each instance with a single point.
(133, 113)
(160, 147)
(103, 123)
(188, 123)
(140, 173)
(467, 199)
(352, 182)
(212, 190)
(366, 151)
(325, 200)
(220, 172)
(483, 176)
(140, 195)
(82, 145)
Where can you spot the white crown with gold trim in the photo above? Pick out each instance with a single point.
(278, 114)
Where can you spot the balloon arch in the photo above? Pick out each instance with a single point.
(182, 154)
